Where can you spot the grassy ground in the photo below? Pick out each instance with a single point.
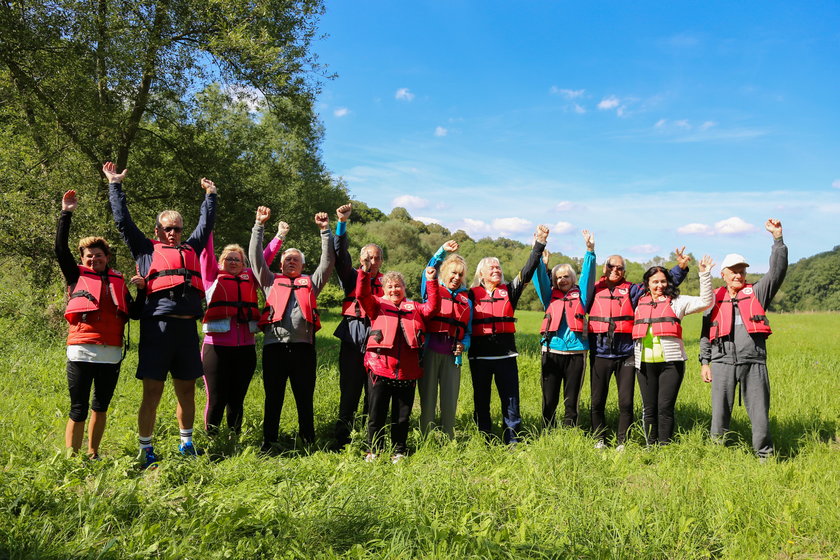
(553, 497)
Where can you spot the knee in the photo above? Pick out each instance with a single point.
(78, 412)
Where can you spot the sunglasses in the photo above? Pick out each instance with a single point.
(617, 267)
(233, 259)
(170, 229)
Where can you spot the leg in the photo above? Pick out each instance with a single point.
(213, 385)
(507, 383)
(379, 399)
(450, 387)
(79, 381)
(104, 384)
(670, 380)
(723, 398)
(599, 383)
(241, 371)
(573, 365)
(95, 430)
(550, 380)
(755, 387)
(275, 358)
(352, 381)
(482, 378)
(433, 363)
(146, 416)
(400, 422)
(649, 388)
(302, 380)
(185, 393)
(624, 378)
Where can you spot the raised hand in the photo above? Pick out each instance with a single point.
(589, 239)
(541, 235)
(706, 264)
(431, 272)
(69, 201)
(343, 212)
(110, 171)
(322, 220)
(546, 256)
(450, 246)
(263, 214)
(682, 258)
(282, 229)
(774, 226)
(208, 185)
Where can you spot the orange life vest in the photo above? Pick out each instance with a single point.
(391, 319)
(278, 300)
(752, 313)
(492, 312)
(173, 266)
(351, 306)
(233, 296)
(566, 305)
(611, 311)
(454, 314)
(658, 315)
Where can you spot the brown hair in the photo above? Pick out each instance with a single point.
(94, 243)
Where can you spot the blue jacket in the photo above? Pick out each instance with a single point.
(566, 340)
(436, 261)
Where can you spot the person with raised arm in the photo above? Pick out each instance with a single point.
(174, 292)
(353, 328)
(392, 358)
(290, 321)
(493, 346)
(98, 307)
(447, 338)
(229, 351)
(659, 350)
(733, 342)
(611, 343)
(564, 340)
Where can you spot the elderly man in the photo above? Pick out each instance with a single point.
(354, 327)
(733, 342)
(168, 334)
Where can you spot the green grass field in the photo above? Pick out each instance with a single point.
(552, 497)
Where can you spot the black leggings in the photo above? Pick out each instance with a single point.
(383, 392)
(352, 382)
(602, 369)
(80, 377)
(659, 384)
(295, 362)
(227, 374)
(565, 370)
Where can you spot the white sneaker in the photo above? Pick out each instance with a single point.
(600, 444)
(370, 457)
(619, 448)
(397, 458)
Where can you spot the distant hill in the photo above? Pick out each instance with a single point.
(811, 284)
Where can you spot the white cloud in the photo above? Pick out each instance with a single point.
(506, 226)
(660, 123)
(440, 131)
(707, 125)
(565, 206)
(578, 109)
(733, 226)
(645, 249)
(567, 93)
(410, 202)
(562, 228)
(695, 229)
(836, 184)
(683, 123)
(426, 220)
(341, 112)
(609, 103)
(475, 227)
(403, 94)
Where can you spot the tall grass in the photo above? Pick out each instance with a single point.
(552, 497)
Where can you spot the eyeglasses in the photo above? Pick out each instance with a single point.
(170, 229)
(617, 267)
(233, 259)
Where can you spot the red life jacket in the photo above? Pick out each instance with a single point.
(406, 317)
(173, 266)
(95, 318)
(492, 313)
(278, 299)
(454, 314)
(233, 296)
(566, 305)
(351, 306)
(611, 311)
(752, 313)
(659, 315)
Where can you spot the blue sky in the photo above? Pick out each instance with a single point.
(653, 124)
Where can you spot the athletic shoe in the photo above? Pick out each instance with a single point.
(370, 457)
(148, 459)
(619, 448)
(600, 444)
(397, 458)
(188, 449)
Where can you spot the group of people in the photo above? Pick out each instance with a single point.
(390, 344)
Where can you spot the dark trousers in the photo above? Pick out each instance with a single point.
(659, 384)
(227, 374)
(507, 383)
(80, 377)
(295, 362)
(399, 394)
(565, 370)
(352, 381)
(602, 369)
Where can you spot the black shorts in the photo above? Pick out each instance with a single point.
(169, 345)
(80, 377)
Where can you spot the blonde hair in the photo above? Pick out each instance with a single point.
(563, 266)
(392, 277)
(453, 262)
(233, 248)
(93, 242)
(478, 279)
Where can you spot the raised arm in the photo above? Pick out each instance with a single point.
(207, 263)
(276, 243)
(325, 267)
(437, 259)
(131, 234)
(265, 277)
(206, 217)
(769, 284)
(696, 304)
(343, 262)
(521, 280)
(69, 268)
(587, 271)
(431, 306)
(363, 294)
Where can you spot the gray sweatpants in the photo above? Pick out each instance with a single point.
(439, 370)
(755, 392)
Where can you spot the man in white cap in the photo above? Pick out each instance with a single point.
(733, 342)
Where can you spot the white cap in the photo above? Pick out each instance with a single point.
(733, 259)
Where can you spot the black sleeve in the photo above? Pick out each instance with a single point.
(136, 304)
(517, 285)
(343, 264)
(68, 265)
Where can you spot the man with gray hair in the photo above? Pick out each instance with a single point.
(733, 347)
(168, 335)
